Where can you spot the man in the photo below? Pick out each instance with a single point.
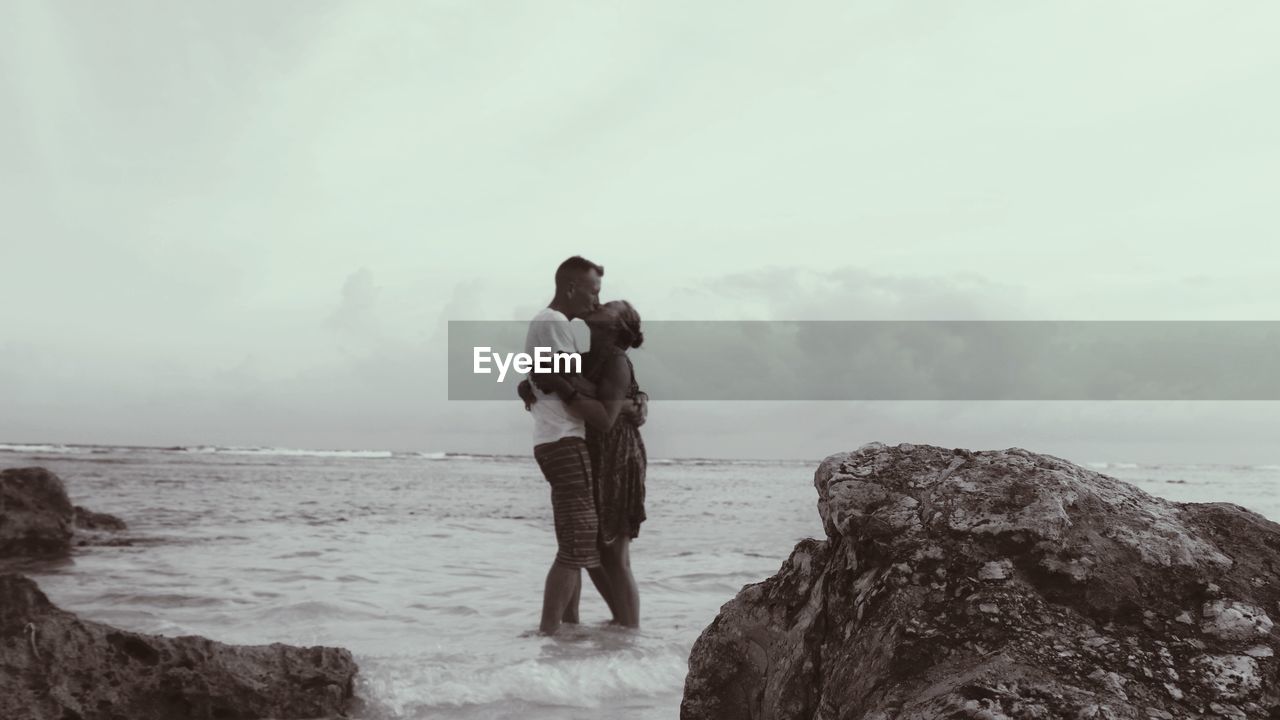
(560, 448)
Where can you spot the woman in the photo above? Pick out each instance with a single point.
(618, 460)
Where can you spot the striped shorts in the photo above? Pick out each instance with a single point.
(567, 467)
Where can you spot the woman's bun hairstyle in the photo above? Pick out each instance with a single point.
(630, 321)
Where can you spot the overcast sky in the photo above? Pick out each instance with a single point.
(247, 223)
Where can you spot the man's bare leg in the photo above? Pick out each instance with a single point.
(559, 590)
(571, 610)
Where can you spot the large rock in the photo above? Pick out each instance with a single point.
(55, 666)
(994, 585)
(99, 529)
(35, 515)
(38, 520)
(86, 519)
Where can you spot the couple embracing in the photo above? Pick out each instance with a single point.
(587, 443)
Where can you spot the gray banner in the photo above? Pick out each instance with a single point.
(918, 360)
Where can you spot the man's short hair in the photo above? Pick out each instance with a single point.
(572, 270)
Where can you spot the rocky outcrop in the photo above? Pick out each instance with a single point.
(995, 585)
(86, 519)
(38, 520)
(98, 529)
(35, 515)
(55, 666)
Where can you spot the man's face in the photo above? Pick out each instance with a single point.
(586, 294)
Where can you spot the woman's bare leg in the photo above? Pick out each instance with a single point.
(601, 578)
(616, 558)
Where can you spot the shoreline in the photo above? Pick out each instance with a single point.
(407, 578)
(60, 666)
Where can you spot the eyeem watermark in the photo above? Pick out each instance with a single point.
(930, 360)
(541, 361)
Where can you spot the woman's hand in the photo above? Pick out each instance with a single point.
(609, 400)
(525, 391)
(638, 410)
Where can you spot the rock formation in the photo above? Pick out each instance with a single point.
(35, 515)
(99, 529)
(997, 585)
(86, 519)
(38, 520)
(55, 666)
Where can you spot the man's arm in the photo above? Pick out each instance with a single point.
(558, 337)
(635, 411)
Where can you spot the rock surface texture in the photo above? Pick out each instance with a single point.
(35, 515)
(55, 666)
(993, 585)
(37, 519)
(99, 529)
(86, 519)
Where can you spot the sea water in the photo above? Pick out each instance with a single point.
(429, 566)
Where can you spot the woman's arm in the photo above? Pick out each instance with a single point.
(564, 386)
(601, 411)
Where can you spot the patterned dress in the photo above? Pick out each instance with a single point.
(618, 464)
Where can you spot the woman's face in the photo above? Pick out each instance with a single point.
(604, 325)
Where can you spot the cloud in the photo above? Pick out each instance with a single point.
(847, 292)
(357, 310)
(185, 233)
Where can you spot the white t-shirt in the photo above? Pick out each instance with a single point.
(551, 419)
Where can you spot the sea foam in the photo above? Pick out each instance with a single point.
(411, 687)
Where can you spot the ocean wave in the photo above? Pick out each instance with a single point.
(454, 456)
(1183, 467)
(701, 462)
(292, 452)
(411, 687)
(1113, 465)
(473, 457)
(45, 449)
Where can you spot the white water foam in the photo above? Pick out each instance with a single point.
(411, 687)
(1113, 465)
(291, 452)
(452, 456)
(44, 449)
(431, 571)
